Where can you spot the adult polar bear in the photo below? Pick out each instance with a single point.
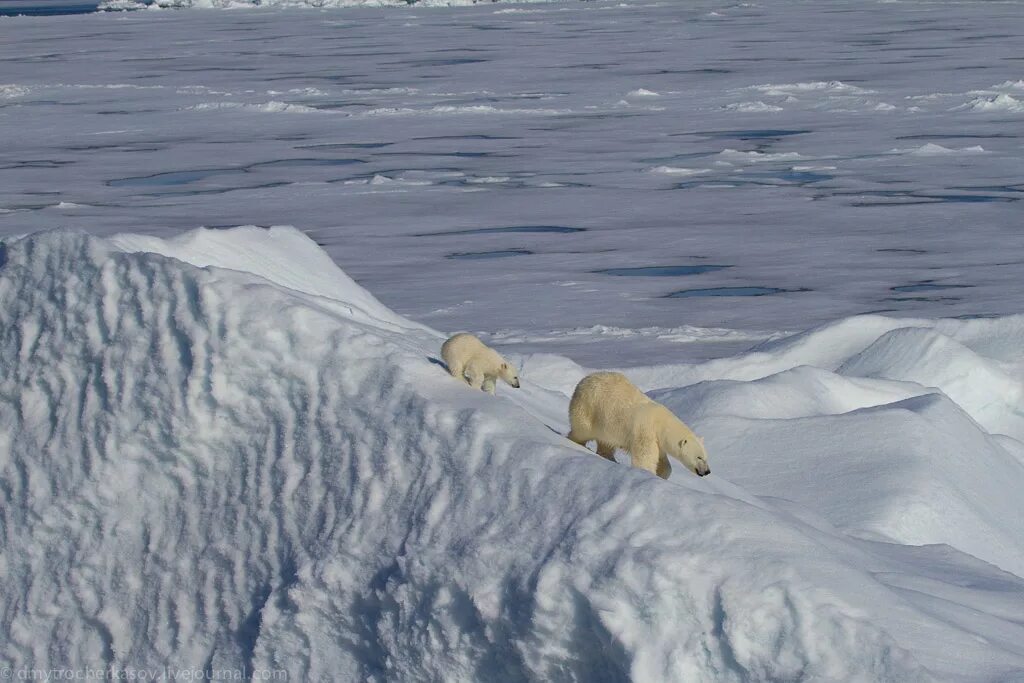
(468, 359)
(607, 408)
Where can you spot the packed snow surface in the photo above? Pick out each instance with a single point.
(220, 452)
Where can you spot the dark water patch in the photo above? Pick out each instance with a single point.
(867, 204)
(298, 163)
(556, 229)
(769, 180)
(791, 177)
(3, 254)
(593, 66)
(36, 163)
(956, 136)
(731, 291)
(127, 112)
(340, 105)
(989, 188)
(174, 178)
(926, 286)
(347, 145)
(478, 255)
(913, 198)
(976, 316)
(805, 177)
(171, 178)
(662, 271)
(442, 50)
(868, 42)
(968, 198)
(38, 103)
(688, 72)
(677, 158)
(46, 9)
(218, 190)
(747, 133)
(125, 149)
(990, 36)
(902, 251)
(227, 69)
(33, 59)
(453, 61)
(923, 299)
(477, 136)
(355, 53)
(456, 155)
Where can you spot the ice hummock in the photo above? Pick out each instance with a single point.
(219, 451)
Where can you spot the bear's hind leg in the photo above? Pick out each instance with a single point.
(578, 437)
(606, 451)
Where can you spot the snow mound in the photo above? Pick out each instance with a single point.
(678, 170)
(924, 407)
(220, 452)
(756, 107)
(754, 156)
(995, 103)
(931, 149)
(642, 92)
(987, 390)
(782, 89)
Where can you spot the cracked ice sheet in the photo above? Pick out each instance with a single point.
(841, 159)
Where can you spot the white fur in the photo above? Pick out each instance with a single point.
(608, 409)
(480, 366)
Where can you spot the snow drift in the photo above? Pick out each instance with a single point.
(219, 451)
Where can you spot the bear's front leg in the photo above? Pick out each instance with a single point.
(488, 385)
(663, 467)
(645, 456)
(474, 377)
(456, 371)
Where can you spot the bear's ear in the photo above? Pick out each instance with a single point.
(504, 366)
(682, 443)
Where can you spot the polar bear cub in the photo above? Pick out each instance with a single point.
(607, 408)
(470, 360)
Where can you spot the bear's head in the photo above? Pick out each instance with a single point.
(690, 451)
(508, 373)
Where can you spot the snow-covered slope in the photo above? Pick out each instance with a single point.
(218, 451)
